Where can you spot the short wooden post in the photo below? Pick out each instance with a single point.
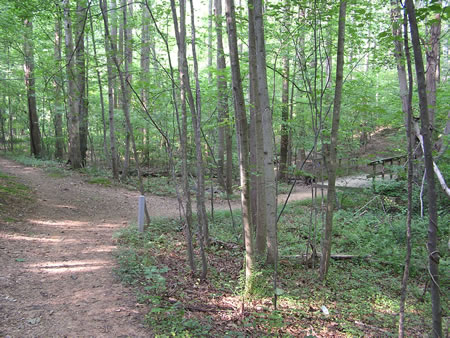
(141, 212)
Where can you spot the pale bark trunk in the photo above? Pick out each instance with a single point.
(28, 50)
(433, 253)
(72, 113)
(269, 173)
(58, 82)
(241, 125)
(331, 191)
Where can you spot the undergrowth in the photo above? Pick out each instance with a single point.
(361, 294)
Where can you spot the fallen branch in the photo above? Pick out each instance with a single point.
(201, 308)
(339, 257)
(435, 167)
(367, 326)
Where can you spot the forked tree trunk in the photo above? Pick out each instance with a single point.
(72, 113)
(331, 191)
(433, 252)
(28, 51)
(241, 126)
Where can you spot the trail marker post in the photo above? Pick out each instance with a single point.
(141, 213)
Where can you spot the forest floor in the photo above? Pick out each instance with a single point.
(56, 256)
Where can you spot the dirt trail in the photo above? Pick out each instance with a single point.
(56, 275)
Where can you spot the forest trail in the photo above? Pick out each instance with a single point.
(57, 260)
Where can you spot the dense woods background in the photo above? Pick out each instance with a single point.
(239, 97)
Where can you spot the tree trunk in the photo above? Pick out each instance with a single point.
(100, 88)
(59, 104)
(180, 37)
(241, 126)
(80, 66)
(222, 102)
(331, 191)
(433, 70)
(112, 132)
(197, 121)
(72, 113)
(28, 51)
(269, 173)
(433, 253)
(410, 139)
(258, 195)
(284, 142)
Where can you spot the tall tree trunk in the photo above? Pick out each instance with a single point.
(331, 191)
(59, 104)
(210, 33)
(222, 104)
(28, 51)
(114, 28)
(197, 121)
(180, 33)
(258, 195)
(284, 142)
(433, 252)
(80, 66)
(100, 88)
(111, 103)
(145, 69)
(193, 106)
(124, 83)
(241, 126)
(11, 133)
(433, 67)
(72, 113)
(269, 173)
(410, 139)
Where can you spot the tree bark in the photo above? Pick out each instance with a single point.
(28, 51)
(331, 191)
(223, 172)
(241, 126)
(112, 129)
(433, 252)
(196, 121)
(257, 176)
(80, 69)
(433, 70)
(410, 139)
(269, 173)
(284, 142)
(72, 113)
(180, 33)
(58, 82)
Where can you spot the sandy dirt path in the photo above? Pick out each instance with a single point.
(56, 263)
